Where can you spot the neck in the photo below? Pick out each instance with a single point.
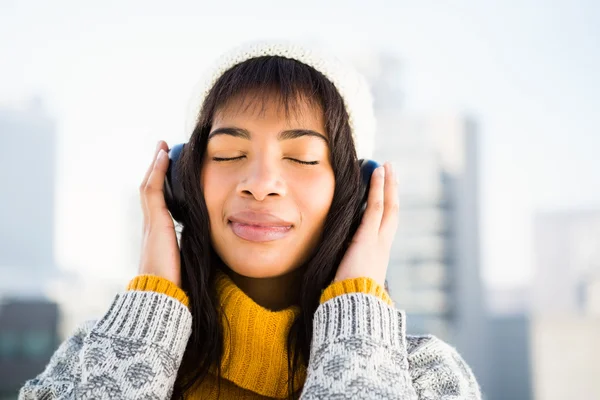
(276, 293)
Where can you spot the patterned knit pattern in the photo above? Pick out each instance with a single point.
(132, 352)
(359, 351)
(352, 86)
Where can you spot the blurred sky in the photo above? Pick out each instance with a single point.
(118, 75)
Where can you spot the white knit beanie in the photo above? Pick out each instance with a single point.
(351, 85)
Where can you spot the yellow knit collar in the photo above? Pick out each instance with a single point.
(255, 339)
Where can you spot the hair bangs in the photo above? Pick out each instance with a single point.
(252, 83)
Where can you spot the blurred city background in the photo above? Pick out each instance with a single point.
(489, 109)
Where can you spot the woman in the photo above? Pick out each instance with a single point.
(276, 289)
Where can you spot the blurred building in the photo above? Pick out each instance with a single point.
(28, 154)
(566, 319)
(434, 271)
(515, 300)
(509, 339)
(567, 257)
(28, 320)
(27, 215)
(28, 338)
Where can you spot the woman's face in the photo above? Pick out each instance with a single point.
(267, 209)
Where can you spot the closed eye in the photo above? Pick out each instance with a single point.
(220, 159)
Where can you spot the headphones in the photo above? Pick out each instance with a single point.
(174, 196)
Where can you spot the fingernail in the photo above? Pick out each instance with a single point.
(161, 154)
(381, 170)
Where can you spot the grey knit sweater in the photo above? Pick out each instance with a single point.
(359, 351)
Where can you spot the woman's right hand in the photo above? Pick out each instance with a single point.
(160, 252)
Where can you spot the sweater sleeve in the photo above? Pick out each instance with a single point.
(132, 352)
(158, 284)
(356, 285)
(359, 351)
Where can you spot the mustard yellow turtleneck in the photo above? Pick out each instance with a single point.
(254, 363)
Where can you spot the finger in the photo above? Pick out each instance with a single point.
(372, 217)
(153, 193)
(160, 145)
(389, 220)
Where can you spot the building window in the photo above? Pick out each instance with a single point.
(36, 344)
(9, 345)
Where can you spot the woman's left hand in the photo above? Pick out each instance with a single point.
(369, 252)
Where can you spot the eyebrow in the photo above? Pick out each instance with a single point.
(283, 135)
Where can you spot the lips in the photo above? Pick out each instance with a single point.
(255, 233)
(259, 226)
(264, 219)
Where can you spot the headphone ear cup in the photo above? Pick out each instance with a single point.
(366, 171)
(174, 195)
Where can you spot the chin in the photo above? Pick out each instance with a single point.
(258, 267)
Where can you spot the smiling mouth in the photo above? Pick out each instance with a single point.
(257, 233)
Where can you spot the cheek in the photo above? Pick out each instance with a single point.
(314, 197)
(216, 188)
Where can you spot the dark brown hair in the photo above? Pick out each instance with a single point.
(290, 80)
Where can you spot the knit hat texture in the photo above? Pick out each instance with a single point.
(351, 85)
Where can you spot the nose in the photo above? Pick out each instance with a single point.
(260, 178)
